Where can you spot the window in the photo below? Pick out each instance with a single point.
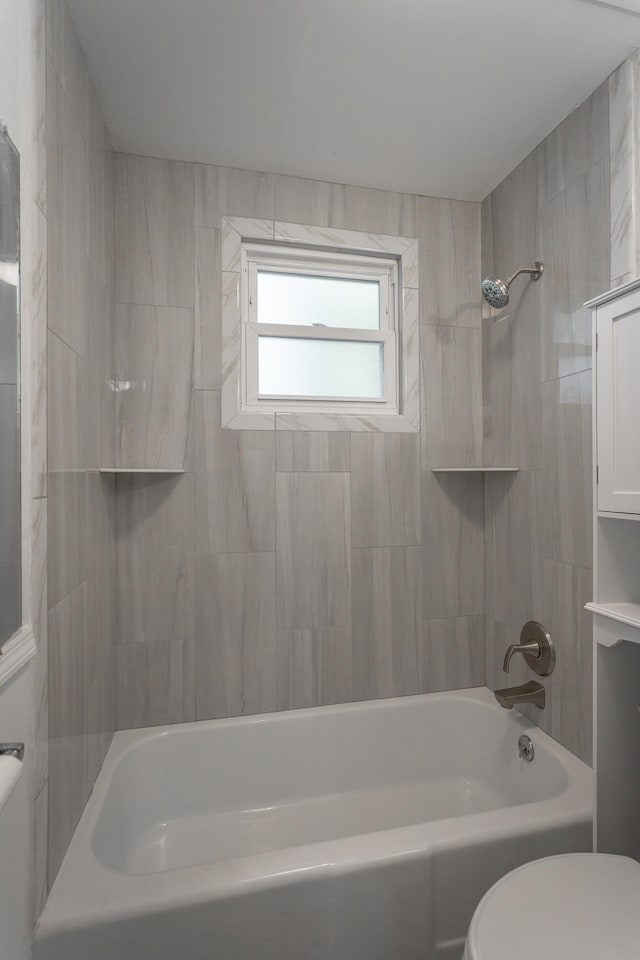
(319, 328)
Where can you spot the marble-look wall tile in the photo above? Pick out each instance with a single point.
(67, 204)
(235, 651)
(385, 489)
(207, 364)
(450, 373)
(273, 538)
(570, 688)
(68, 783)
(39, 622)
(515, 512)
(314, 667)
(514, 216)
(155, 518)
(101, 397)
(513, 384)
(67, 533)
(101, 212)
(40, 105)
(40, 822)
(575, 250)
(332, 237)
(313, 556)
(298, 200)
(154, 232)
(567, 470)
(156, 683)
(74, 529)
(67, 406)
(312, 452)
(235, 484)
(449, 235)
(67, 795)
(387, 613)
(67, 58)
(224, 191)
(153, 371)
(620, 281)
(452, 654)
(486, 248)
(67, 653)
(410, 360)
(545, 511)
(101, 602)
(623, 175)
(232, 355)
(406, 422)
(381, 211)
(345, 207)
(575, 145)
(100, 721)
(452, 545)
(38, 356)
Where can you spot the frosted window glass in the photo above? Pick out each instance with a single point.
(307, 301)
(292, 367)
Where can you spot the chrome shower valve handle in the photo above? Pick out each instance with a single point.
(532, 648)
(536, 646)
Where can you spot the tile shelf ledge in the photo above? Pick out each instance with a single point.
(475, 469)
(627, 615)
(141, 470)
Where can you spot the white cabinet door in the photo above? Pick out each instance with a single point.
(618, 404)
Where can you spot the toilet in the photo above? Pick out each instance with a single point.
(581, 906)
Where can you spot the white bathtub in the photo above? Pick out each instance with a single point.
(367, 830)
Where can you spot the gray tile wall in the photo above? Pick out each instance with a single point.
(35, 296)
(537, 408)
(294, 569)
(288, 569)
(79, 687)
(215, 618)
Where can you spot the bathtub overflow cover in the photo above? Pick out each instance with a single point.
(525, 748)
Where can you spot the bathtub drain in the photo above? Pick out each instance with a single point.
(525, 748)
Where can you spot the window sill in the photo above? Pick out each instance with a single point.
(319, 420)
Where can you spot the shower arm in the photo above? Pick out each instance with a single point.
(535, 271)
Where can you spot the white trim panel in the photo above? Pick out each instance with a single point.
(16, 652)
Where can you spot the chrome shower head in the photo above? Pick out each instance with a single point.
(496, 291)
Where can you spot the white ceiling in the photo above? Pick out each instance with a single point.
(439, 97)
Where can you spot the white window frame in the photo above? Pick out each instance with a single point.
(247, 244)
(285, 258)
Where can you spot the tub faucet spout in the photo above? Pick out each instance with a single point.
(531, 692)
